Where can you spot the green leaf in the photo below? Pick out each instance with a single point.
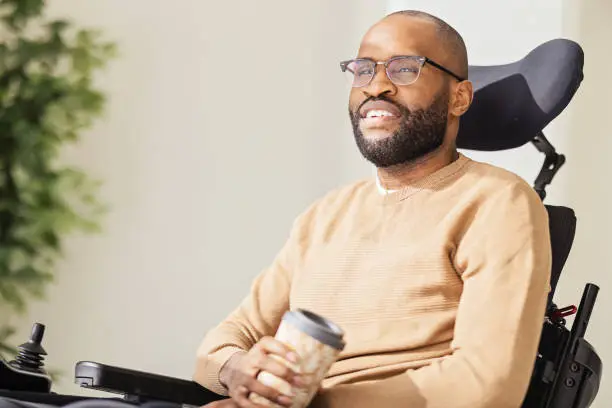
(10, 295)
(20, 11)
(6, 332)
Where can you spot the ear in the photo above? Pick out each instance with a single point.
(462, 98)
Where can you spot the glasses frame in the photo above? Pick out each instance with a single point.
(422, 60)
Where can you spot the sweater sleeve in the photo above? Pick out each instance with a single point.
(258, 315)
(504, 259)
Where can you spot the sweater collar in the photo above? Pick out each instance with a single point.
(427, 182)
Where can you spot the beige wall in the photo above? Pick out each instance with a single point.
(225, 120)
(588, 175)
(206, 168)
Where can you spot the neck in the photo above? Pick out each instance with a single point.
(402, 175)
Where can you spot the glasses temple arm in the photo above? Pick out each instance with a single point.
(448, 71)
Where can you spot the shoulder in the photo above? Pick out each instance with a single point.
(346, 194)
(503, 217)
(491, 183)
(337, 202)
(498, 198)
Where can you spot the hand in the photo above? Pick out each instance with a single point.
(225, 403)
(239, 374)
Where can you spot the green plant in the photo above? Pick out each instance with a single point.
(47, 98)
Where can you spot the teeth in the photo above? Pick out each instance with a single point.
(378, 113)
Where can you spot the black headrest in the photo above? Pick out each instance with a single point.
(514, 102)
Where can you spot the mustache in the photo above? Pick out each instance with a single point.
(404, 110)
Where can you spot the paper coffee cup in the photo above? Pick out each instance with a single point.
(317, 341)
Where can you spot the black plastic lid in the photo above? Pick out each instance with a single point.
(316, 326)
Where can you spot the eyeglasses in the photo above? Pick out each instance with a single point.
(401, 70)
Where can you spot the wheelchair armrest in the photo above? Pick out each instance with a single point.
(141, 386)
(45, 398)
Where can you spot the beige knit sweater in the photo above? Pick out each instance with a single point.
(441, 289)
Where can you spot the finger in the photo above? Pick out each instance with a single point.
(272, 365)
(278, 366)
(241, 397)
(270, 345)
(226, 403)
(270, 393)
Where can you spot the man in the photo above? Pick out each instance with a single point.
(438, 270)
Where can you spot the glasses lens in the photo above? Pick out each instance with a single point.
(404, 71)
(359, 72)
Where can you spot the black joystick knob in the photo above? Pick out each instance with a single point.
(30, 357)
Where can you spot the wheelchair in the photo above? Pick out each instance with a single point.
(513, 103)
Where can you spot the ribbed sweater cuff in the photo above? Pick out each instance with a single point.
(216, 361)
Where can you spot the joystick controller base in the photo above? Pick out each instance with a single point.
(26, 372)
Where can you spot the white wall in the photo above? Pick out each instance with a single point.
(205, 170)
(225, 120)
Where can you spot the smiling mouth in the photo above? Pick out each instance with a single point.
(378, 119)
(378, 113)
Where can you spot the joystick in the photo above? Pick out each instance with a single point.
(30, 357)
(26, 372)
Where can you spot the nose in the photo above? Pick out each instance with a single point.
(380, 84)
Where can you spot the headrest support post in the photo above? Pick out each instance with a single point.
(552, 163)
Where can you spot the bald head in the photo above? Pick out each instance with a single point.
(448, 37)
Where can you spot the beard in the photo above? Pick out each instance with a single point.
(420, 132)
